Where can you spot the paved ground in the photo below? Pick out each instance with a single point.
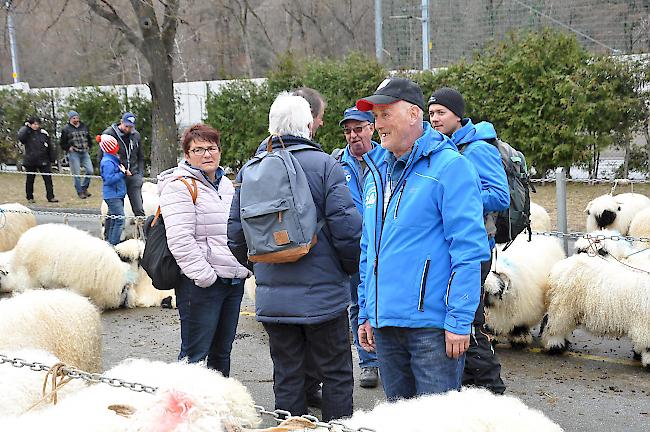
(596, 387)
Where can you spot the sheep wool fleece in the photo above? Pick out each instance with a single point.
(196, 234)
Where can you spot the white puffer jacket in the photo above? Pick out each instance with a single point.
(196, 234)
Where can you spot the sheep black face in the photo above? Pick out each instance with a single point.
(496, 284)
(606, 218)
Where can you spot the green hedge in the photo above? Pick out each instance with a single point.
(545, 94)
(97, 108)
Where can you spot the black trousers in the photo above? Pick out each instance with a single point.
(328, 347)
(482, 367)
(29, 181)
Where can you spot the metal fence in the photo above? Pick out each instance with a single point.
(457, 28)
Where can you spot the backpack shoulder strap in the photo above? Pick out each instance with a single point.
(193, 190)
(194, 193)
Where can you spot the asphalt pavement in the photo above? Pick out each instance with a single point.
(597, 386)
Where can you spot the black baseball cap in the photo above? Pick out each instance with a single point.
(393, 90)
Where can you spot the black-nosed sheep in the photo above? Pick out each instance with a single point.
(515, 289)
(614, 211)
(60, 256)
(606, 296)
(146, 295)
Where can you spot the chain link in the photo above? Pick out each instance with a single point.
(579, 235)
(71, 214)
(278, 415)
(150, 179)
(78, 374)
(618, 182)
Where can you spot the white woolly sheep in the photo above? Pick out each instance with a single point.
(614, 212)
(600, 243)
(190, 398)
(250, 286)
(22, 387)
(150, 202)
(60, 256)
(515, 289)
(539, 218)
(15, 219)
(146, 295)
(5, 262)
(640, 227)
(57, 321)
(607, 297)
(432, 412)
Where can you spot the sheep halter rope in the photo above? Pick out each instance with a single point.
(286, 421)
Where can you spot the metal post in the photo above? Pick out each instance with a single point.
(560, 194)
(379, 37)
(425, 34)
(15, 69)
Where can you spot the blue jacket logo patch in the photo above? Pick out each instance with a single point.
(371, 196)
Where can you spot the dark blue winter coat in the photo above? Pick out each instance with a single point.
(315, 288)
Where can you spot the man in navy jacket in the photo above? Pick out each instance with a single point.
(446, 110)
(422, 244)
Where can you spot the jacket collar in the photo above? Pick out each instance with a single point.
(287, 140)
(465, 134)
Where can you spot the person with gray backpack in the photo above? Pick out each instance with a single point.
(293, 222)
(475, 142)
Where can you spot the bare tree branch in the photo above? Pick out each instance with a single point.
(263, 27)
(57, 18)
(170, 23)
(108, 12)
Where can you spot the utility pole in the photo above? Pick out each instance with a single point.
(425, 34)
(379, 37)
(15, 69)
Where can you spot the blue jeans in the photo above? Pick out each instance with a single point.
(209, 318)
(113, 227)
(366, 359)
(414, 362)
(78, 159)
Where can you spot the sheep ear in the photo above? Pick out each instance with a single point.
(506, 281)
(122, 410)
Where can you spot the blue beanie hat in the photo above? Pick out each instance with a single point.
(72, 114)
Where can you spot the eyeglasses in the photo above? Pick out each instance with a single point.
(357, 129)
(200, 151)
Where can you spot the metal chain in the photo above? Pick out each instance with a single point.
(278, 415)
(150, 179)
(75, 215)
(619, 182)
(78, 374)
(579, 235)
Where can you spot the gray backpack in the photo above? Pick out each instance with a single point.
(277, 211)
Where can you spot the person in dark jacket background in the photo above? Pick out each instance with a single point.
(38, 157)
(76, 141)
(446, 113)
(303, 305)
(131, 155)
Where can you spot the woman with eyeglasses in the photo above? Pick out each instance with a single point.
(195, 202)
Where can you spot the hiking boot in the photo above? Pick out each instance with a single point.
(31, 200)
(53, 200)
(315, 400)
(88, 194)
(369, 377)
(82, 195)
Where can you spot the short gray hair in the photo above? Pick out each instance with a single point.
(290, 115)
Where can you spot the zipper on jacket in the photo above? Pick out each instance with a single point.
(451, 278)
(399, 199)
(377, 242)
(423, 284)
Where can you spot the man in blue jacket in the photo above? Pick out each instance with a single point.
(446, 110)
(422, 244)
(358, 128)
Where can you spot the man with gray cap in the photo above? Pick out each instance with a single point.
(422, 244)
(358, 129)
(76, 142)
(131, 156)
(475, 142)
